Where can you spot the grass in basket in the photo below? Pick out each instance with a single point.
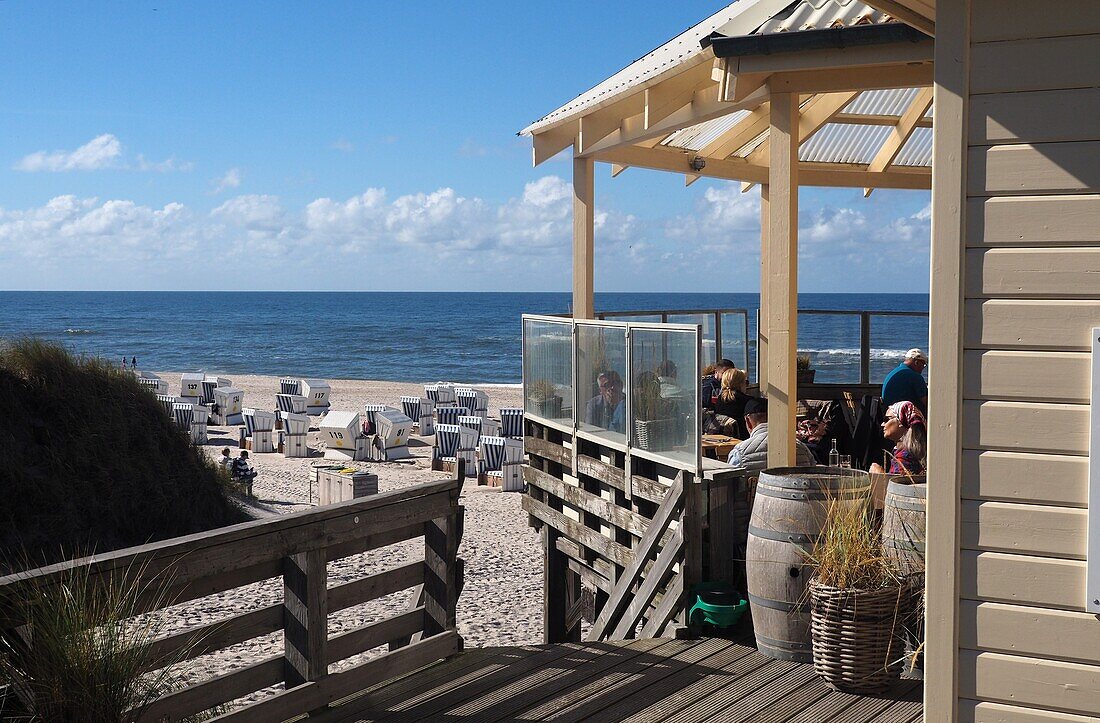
(89, 655)
(848, 553)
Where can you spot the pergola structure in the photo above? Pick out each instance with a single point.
(775, 93)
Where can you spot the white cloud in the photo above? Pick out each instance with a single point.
(231, 179)
(102, 152)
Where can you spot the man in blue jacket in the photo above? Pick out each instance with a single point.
(905, 383)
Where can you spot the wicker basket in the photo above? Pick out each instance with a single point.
(856, 636)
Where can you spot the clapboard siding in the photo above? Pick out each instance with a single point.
(1024, 529)
(973, 711)
(1030, 631)
(1022, 273)
(1017, 19)
(1027, 117)
(1033, 221)
(1026, 376)
(1054, 325)
(1023, 580)
(1035, 64)
(1027, 427)
(1047, 479)
(1049, 684)
(1034, 168)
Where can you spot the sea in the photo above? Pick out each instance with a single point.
(402, 336)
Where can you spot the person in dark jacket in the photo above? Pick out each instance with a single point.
(732, 398)
(712, 384)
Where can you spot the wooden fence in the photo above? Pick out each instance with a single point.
(626, 540)
(296, 548)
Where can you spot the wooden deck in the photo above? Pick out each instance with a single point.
(711, 679)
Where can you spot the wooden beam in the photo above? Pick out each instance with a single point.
(763, 336)
(583, 238)
(901, 133)
(664, 99)
(553, 141)
(813, 115)
(849, 58)
(691, 178)
(598, 125)
(782, 389)
(911, 12)
(746, 186)
(875, 120)
(617, 168)
(735, 138)
(834, 81)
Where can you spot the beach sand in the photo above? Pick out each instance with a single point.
(501, 603)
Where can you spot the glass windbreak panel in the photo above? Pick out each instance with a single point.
(831, 341)
(601, 389)
(735, 342)
(548, 370)
(664, 393)
(710, 346)
(891, 337)
(636, 318)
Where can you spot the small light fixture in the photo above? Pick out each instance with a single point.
(697, 164)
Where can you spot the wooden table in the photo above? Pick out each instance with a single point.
(718, 446)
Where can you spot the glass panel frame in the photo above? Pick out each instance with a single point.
(547, 364)
(600, 366)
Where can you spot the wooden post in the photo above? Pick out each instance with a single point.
(783, 279)
(693, 540)
(440, 571)
(554, 588)
(305, 617)
(584, 193)
(762, 334)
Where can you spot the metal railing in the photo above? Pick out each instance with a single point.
(864, 332)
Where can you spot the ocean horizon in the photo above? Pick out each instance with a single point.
(472, 337)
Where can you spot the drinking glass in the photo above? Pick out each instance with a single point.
(846, 461)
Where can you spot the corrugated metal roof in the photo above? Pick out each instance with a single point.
(844, 143)
(697, 137)
(881, 102)
(821, 14)
(917, 151)
(746, 17)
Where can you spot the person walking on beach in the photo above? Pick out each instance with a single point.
(123, 363)
(133, 363)
(905, 383)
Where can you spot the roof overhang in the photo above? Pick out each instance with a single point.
(921, 14)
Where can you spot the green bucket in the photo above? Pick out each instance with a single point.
(717, 604)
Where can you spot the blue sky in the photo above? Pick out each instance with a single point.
(364, 145)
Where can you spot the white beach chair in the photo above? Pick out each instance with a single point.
(449, 415)
(392, 429)
(228, 403)
(259, 426)
(426, 424)
(490, 427)
(473, 399)
(473, 422)
(342, 433)
(200, 418)
(511, 423)
(191, 386)
(295, 429)
(316, 392)
(293, 403)
(370, 410)
(500, 463)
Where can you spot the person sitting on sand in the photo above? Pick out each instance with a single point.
(607, 409)
(905, 427)
(226, 460)
(242, 469)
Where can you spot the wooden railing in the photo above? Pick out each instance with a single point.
(624, 548)
(296, 548)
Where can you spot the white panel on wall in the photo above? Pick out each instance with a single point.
(1092, 583)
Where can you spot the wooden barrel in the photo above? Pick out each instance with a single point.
(903, 519)
(788, 514)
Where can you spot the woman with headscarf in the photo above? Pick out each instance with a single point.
(904, 425)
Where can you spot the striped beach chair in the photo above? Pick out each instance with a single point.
(442, 394)
(293, 403)
(445, 448)
(467, 449)
(511, 423)
(471, 422)
(200, 418)
(208, 387)
(294, 424)
(474, 400)
(168, 402)
(153, 384)
(257, 420)
(411, 407)
(500, 463)
(183, 413)
(369, 411)
(449, 415)
(490, 427)
(290, 386)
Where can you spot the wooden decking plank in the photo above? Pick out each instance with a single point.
(728, 695)
(748, 707)
(852, 708)
(683, 689)
(566, 690)
(450, 691)
(632, 693)
(526, 671)
(796, 700)
(890, 707)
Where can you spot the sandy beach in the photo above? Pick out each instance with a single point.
(501, 603)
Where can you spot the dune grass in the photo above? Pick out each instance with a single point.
(89, 460)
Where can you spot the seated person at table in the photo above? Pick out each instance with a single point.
(732, 397)
(752, 454)
(711, 384)
(905, 427)
(607, 409)
(905, 383)
(666, 375)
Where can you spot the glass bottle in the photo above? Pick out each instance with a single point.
(834, 455)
